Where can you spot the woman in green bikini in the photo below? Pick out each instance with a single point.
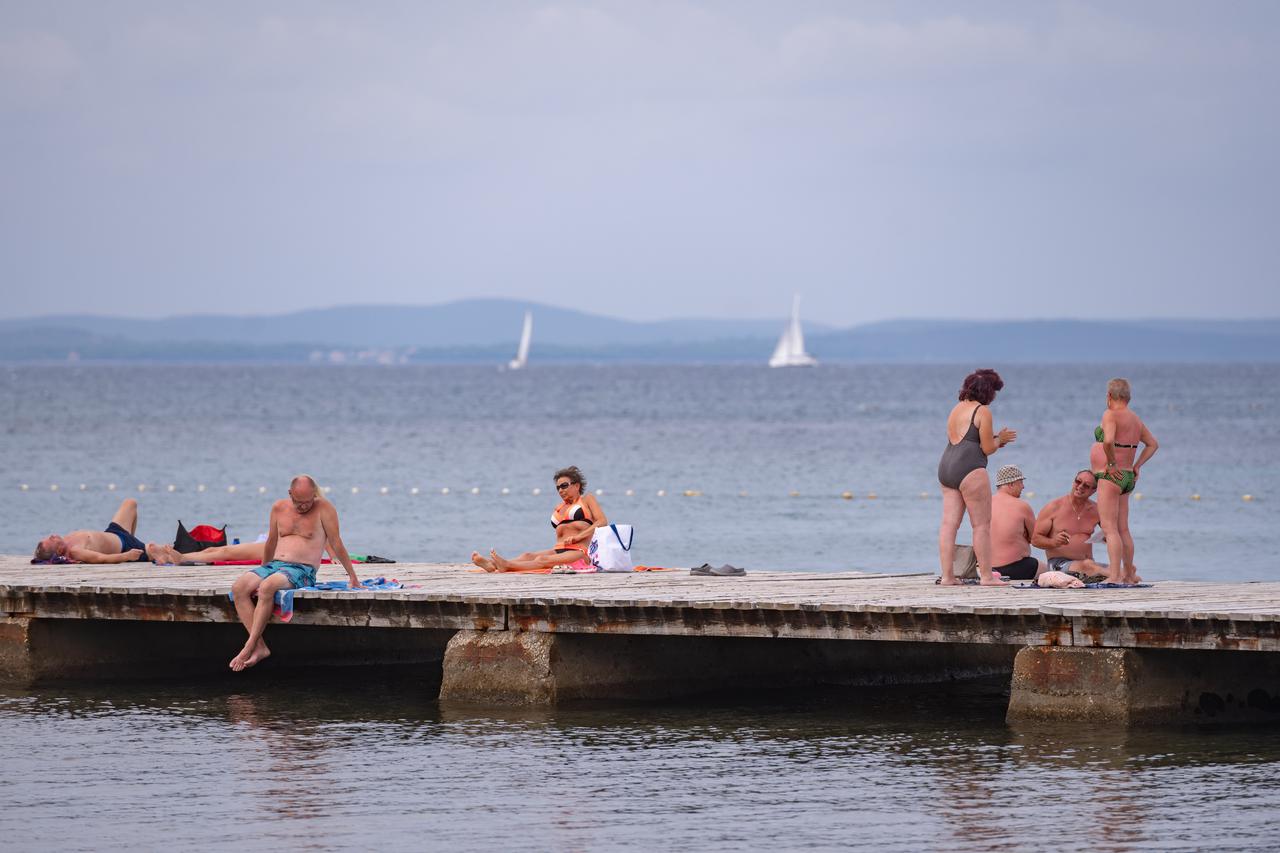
(1113, 463)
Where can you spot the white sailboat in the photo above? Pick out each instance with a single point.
(790, 349)
(522, 354)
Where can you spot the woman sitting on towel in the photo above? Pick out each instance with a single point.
(575, 521)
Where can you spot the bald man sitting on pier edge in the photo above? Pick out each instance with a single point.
(299, 531)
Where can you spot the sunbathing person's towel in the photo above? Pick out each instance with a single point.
(355, 558)
(283, 609)
(1088, 586)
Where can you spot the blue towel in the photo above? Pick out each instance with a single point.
(284, 597)
(1088, 586)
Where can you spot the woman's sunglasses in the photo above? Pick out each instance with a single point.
(560, 487)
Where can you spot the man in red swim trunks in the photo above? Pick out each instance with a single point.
(116, 544)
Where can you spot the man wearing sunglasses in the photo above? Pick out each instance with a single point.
(299, 531)
(1064, 526)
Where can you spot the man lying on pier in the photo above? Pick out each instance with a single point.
(299, 530)
(1064, 526)
(116, 544)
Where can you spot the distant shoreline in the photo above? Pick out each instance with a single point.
(487, 332)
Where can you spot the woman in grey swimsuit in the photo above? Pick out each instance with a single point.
(963, 473)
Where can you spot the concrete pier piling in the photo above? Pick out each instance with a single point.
(534, 668)
(1172, 652)
(1136, 687)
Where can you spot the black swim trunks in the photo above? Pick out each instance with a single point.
(1020, 570)
(128, 542)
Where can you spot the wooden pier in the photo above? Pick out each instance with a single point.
(1172, 651)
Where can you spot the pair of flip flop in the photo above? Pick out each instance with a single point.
(725, 571)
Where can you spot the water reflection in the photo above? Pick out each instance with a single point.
(353, 761)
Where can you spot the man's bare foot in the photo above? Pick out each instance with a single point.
(165, 555)
(260, 654)
(501, 564)
(949, 582)
(240, 661)
(993, 581)
(482, 562)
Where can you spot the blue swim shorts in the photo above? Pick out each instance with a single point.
(299, 574)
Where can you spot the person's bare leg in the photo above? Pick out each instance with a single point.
(534, 560)
(976, 488)
(1109, 520)
(243, 591)
(255, 648)
(227, 553)
(952, 515)
(1088, 568)
(483, 562)
(1126, 539)
(127, 515)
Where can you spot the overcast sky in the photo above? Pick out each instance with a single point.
(651, 159)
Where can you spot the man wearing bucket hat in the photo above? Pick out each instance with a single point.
(1012, 524)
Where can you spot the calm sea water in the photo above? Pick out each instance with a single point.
(358, 760)
(745, 438)
(375, 763)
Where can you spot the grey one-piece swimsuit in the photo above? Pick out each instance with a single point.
(962, 457)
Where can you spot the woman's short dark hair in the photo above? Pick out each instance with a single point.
(574, 475)
(981, 386)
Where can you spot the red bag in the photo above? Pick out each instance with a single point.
(199, 537)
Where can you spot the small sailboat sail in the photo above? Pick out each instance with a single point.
(790, 349)
(526, 334)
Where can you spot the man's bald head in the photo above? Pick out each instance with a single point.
(303, 491)
(303, 481)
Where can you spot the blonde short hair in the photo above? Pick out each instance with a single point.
(1118, 389)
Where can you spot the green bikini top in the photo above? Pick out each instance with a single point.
(1098, 435)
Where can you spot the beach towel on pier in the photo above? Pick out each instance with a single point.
(1089, 586)
(355, 558)
(283, 609)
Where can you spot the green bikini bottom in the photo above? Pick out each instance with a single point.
(1126, 480)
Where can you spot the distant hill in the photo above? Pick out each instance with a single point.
(469, 323)
(485, 331)
(1054, 341)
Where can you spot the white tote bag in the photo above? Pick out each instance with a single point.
(610, 549)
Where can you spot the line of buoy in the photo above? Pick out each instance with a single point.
(505, 490)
